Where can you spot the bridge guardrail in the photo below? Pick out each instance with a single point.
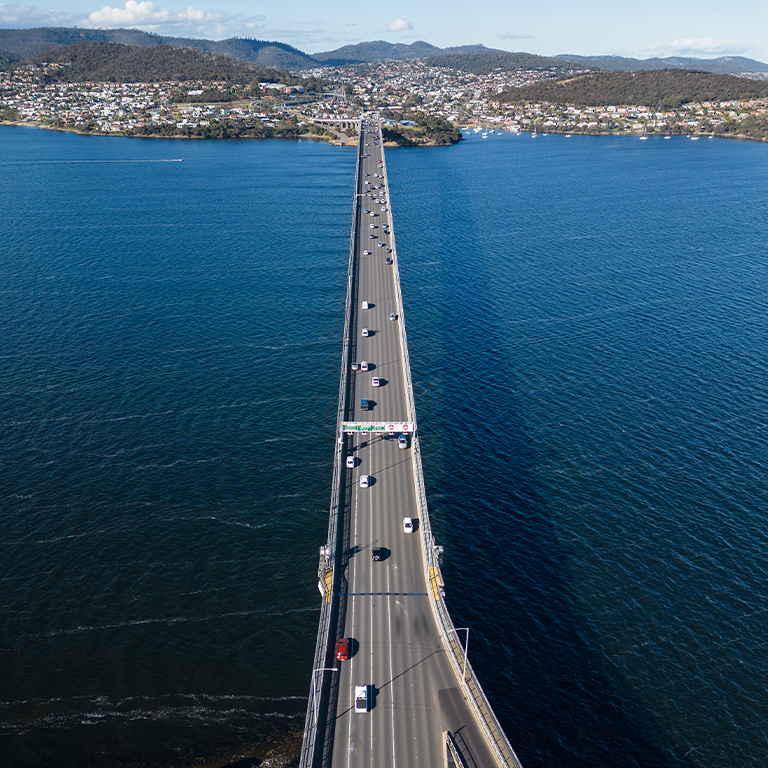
(432, 572)
(330, 560)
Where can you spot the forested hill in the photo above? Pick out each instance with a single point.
(485, 62)
(657, 89)
(112, 62)
(19, 44)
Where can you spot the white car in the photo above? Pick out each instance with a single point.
(375, 381)
(362, 698)
(350, 462)
(407, 521)
(365, 482)
(365, 332)
(364, 365)
(365, 305)
(392, 316)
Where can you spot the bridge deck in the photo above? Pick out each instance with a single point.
(385, 606)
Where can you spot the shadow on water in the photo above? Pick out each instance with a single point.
(548, 680)
(543, 675)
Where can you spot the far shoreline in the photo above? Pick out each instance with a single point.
(328, 139)
(352, 142)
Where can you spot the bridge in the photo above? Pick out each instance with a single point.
(338, 123)
(418, 700)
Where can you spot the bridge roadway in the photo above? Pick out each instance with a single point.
(384, 607)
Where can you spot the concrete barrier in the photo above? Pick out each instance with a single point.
(331, 557)
(329, 554)
(432, 573)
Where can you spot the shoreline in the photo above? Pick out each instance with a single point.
(635, 134)
(328, 139)
(336, 142)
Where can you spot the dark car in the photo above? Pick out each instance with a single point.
(364, 404)
(342, 649)
(376, 554)
(387, 260)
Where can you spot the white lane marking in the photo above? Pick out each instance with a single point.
(391, 671)
(370, 529)
(352, 630)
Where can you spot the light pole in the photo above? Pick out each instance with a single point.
(314, 686)
(466, 645)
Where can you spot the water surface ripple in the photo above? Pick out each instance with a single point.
(589, 343)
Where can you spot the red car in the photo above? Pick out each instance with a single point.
(342, 649)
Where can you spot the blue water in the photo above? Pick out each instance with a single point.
(589, 343)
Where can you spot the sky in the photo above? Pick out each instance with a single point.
(701, 28)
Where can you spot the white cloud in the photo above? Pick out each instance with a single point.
(147, 15)
(703, 46)
(513, 36)
(15, 16)
(399, 25)
(140, 14)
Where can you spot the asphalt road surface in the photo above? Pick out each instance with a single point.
(385, 605)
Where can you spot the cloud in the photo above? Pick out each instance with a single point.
(147, 15)
(513, 36)
(399, 25)
(138, 14)
(695, 47)
(15, 16)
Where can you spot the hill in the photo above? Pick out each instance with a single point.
(487, 61)
(20, 44)
(97, 61)
(657, 89)
(380, 50)
(724, 65)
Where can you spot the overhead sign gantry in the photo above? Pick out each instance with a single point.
(377, 426)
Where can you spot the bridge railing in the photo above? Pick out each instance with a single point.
(329, 559)
(432, 573)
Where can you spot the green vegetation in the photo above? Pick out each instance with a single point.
(486, 62)
(656, 89)
(20, 44)
(751, 127)
(427, 130)
(96, 61)
(10, 115)
(230, 129)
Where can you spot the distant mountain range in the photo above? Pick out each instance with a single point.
(380, 50)
(19, 44)
(723, 65)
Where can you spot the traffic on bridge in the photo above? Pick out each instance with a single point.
(391, 684)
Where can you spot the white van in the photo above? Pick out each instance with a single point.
(365, 305)
(362, 698)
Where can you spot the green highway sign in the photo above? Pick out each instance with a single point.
(377, 426)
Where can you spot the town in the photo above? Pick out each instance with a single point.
(399, 90)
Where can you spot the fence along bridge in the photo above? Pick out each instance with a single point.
(406, 695)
